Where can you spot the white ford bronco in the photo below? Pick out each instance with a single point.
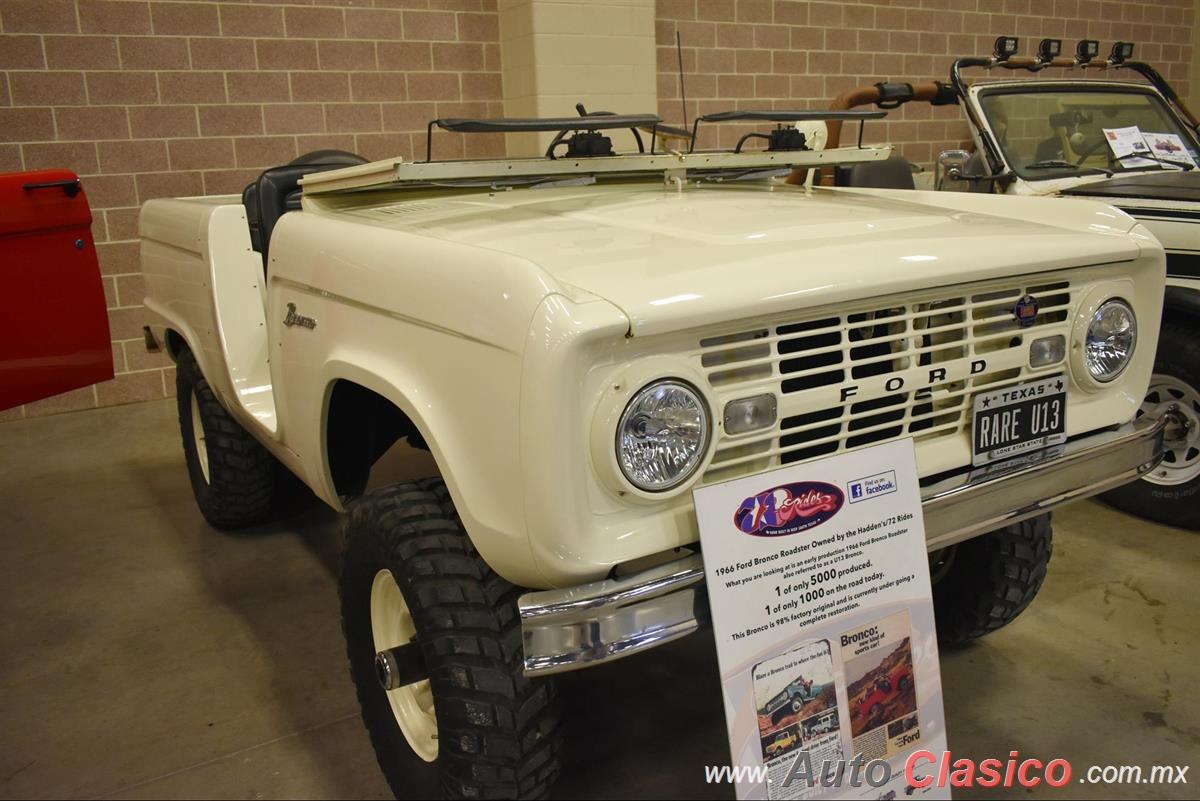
(1060, 137)
(580, 340)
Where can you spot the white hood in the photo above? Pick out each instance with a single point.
(675, 259)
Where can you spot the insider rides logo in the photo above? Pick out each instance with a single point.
(788, 509)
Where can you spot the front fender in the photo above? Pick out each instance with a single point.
(438, 329)
(481, 470)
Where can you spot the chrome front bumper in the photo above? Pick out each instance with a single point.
(605, 620)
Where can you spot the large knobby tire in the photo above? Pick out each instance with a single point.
(233, 477)
(1170, 494)
(497, 732)
(989, 580)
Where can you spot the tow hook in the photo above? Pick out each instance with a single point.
(400, 666)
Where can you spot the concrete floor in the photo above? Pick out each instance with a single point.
(143, 655)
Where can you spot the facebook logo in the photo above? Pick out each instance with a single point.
(864, 489)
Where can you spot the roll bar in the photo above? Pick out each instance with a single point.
(893, 95)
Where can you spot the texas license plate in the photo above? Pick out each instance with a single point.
(1015, 420)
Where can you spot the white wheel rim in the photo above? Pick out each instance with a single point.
(412, 704)
(1181, 441)
(198, 438)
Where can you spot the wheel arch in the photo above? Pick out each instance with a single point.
(1182, 301)
(360, 425)
(365, 414)
(399, 400)
(174, 342)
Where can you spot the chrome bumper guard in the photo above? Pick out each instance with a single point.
(605, 620)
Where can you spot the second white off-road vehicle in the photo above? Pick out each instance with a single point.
(1061, 137)
(583, 339)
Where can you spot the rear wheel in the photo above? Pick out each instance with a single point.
(983, 584)
(464, 721)
(1170, 494)
(233, 477)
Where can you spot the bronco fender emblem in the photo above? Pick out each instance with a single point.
(291, 318)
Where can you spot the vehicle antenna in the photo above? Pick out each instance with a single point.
(682, 91)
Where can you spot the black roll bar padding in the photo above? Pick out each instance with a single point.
(960, 64)
(1160, 83)
(946, 96)
(768, 115)
(893, 95)
(991, 153)
(771, 115)
(537, 125)
(592, 122)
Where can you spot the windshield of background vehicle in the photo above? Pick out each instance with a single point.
(1052, 132)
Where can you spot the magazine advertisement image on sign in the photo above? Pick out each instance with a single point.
(1134, 147)
(818, 580)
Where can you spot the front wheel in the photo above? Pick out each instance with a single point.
(984, 583)
(1170, 494)
(434, 641)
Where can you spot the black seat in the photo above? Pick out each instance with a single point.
(891, 173)
(277, 191)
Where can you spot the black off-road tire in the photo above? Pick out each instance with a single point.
(1179, 504)
(993, 578)
(498, 731)
(242, 476)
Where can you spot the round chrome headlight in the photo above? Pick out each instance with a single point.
(662, 435)
(1111, 337)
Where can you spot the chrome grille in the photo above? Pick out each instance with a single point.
(875, 373)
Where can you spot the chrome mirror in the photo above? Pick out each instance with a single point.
(951, 165)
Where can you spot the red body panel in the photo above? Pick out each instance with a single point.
(53, 322)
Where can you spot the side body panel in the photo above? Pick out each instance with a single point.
(206, 283)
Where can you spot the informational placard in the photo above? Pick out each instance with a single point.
(1128, 146)
(818, 581)
(1134, 147)
(1170, 149)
